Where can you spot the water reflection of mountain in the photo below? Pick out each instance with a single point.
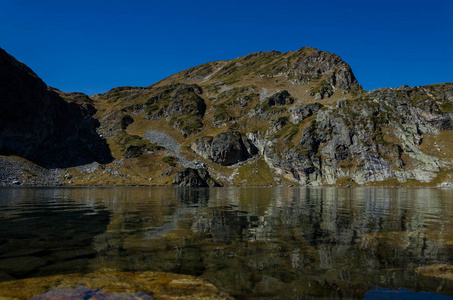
(44, 232)
(273, 242)
(378, 235)
(313, 241)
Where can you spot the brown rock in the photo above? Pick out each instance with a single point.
(158, 284)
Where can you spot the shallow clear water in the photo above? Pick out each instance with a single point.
(250, 242)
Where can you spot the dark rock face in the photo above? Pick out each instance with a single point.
(39, 125)
(280, 99)
(194, 178)
(227, 148)
(126, 121)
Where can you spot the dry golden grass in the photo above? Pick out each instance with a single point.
(439, 145)
(258, 173)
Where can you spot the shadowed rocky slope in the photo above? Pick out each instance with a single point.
(37, 124)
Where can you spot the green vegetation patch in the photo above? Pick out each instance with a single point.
(271, 109)
(221, 113)
(322, 88)
(172, 100)
(29, 172)
(249, 65)
(124, 94)
(170, 160)
(256, 173)
(236, 93)
(134, 145)
(188, 124)
(274, 67)
(446, 107)
(232, 103)
(200, 71)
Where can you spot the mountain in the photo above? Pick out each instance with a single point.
(268, 118)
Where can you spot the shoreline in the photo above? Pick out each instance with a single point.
(228, 186)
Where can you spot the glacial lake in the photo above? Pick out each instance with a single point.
(261, 243)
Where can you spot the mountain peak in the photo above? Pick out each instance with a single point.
(295, 71)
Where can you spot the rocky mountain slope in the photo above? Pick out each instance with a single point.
(269, 118)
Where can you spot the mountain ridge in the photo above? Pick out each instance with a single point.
(268, 118)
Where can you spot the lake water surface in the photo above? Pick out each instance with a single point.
(287, 243)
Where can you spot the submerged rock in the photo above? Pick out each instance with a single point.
(124, 285)
(81, 292)
(19, 266)
(443, 271)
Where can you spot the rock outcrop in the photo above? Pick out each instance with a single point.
(313, 63)
(302, 112)
(375, 138)
(226, 149)
(280, 99)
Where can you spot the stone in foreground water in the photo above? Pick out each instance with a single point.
(82, 292)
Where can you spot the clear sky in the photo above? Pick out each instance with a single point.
(92, 46)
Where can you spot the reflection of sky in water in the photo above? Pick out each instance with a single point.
(248, 241)
(401, 294)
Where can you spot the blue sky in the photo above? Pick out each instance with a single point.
(93, 46)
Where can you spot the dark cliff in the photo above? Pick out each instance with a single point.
(37, 124)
